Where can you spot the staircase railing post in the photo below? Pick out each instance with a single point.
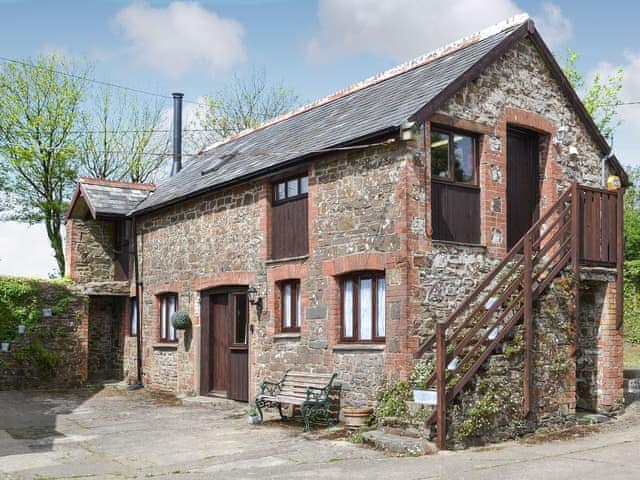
(441, 361)
(619, 257)
(528, 324)
(575, 257)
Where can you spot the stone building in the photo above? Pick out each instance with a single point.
(362, 220)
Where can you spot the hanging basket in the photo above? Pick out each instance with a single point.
(181, 320)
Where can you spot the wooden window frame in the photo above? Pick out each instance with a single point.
(295, 292)
(287, 198)
(240, 345)
(450, 180)
(162, 304)
(356, 278)
(289, 229)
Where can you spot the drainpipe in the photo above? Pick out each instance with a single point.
(138, 383)
(177, 133)
(603, 168)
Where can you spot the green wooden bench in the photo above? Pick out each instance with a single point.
(308, 391)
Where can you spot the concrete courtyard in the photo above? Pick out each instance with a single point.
(116, 434)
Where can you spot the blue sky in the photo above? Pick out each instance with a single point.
(314, 47)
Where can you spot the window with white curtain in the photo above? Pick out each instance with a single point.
(363, 307)
(291, 308)
(168, 304)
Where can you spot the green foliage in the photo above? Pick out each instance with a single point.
(181, 320)
(496, 397)
(22, 301)
(632, 215)
(252, 411)
(391, 399)
(35, 354)
(39, 113)
(601, 98)
(632, 301)
(244, 103)
(122, 131)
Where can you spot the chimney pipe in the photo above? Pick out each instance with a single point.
(177, 133)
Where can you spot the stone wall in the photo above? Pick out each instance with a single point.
(599, 355)
(368, 210)
(89, 251)
(490, 408)
(106, 337)
(53, 352)
(189, 248)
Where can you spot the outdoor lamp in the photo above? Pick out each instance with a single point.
(252, 294)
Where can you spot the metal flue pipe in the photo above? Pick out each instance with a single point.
(177, 133)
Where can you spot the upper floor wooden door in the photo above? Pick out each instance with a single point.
(523, 183)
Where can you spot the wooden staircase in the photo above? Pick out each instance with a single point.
(584, 226)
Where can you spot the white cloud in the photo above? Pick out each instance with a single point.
(555, 28)
(183, 36)
(400, 29)
(25, 251)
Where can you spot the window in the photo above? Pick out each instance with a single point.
(453, 157)
(289, 235)
(291, 189)
(168, 305)
(133, 317)
(455, 196)
(291, 306)
(240, 321)
(363, 307)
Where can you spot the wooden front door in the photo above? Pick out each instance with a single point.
(522, 183)
(225, 355)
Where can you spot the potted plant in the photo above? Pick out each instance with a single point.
(356, 415)
(253, 415)
(181, 320)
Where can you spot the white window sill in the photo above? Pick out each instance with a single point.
(287, 336)
(359, 347)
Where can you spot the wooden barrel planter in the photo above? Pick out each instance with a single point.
(356, 417)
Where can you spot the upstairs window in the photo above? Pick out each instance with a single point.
(291, 307)
(455, 196)
(453, 157)
(168, 304)
(289, 235)
(363, 307)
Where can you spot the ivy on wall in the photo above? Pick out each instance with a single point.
(22, 301)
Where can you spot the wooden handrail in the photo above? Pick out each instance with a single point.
(428, 343)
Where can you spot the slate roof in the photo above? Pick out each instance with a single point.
(412, 91)
(381, 103)
(106, 198)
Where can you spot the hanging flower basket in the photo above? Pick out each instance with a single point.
(181, 320)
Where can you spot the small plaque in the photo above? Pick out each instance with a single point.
(47, 312)
(427, 397)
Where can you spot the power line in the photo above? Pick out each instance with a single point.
(93, 80)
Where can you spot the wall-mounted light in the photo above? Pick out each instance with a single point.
(573, 151)
(252, 295)
(561, 134)
(408, 131)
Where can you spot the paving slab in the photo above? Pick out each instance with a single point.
(115, 434)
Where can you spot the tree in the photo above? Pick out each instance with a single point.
(601, 98)
(122, 138)
(244, 103)
(39, 111)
